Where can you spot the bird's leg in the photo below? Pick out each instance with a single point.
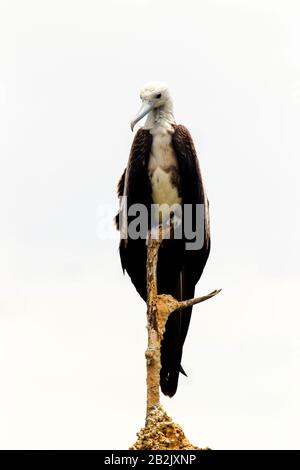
(173, 227)
(158, 232)
(153, 234)
(166, 229)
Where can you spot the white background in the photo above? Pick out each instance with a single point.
(72, 328)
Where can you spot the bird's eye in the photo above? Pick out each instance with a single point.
(158, 96)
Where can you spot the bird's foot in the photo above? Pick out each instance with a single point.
(156, 233)
(173, 228)
(170, 229)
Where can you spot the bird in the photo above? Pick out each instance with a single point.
(163, 172)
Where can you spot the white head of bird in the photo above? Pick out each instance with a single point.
(157, 105)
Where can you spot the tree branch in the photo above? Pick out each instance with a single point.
(160, 432)
(159, 307)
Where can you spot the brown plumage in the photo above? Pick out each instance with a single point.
(179, 269)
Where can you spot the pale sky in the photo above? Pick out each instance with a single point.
(72, 328)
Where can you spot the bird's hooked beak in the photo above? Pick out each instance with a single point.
(146, 107)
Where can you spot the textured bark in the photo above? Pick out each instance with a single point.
(153, 350)
(160, 432)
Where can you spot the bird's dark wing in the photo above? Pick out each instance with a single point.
(135, 185)
(120, 192)
(193, 192)
(193, 261)
(178, 269)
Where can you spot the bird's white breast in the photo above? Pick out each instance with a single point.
(163, 170)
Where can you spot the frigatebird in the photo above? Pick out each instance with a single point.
(163, 172)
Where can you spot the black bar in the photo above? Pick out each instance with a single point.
(136, 459)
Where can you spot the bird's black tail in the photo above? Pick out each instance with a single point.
(173, 340)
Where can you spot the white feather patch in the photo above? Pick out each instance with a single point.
(162, 164)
